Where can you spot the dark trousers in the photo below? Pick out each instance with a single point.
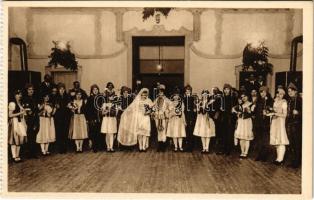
(95, 136)
(219, 136)
(227, 134)
(189, 140)
(262, 146)
(62, 133)
(32, 130)
(294, 132)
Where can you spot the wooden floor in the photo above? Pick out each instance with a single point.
(151, 172)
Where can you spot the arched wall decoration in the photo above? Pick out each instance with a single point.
(159, 30)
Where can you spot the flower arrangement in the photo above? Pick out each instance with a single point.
(62, 55)
(148, 12)
(255, 55)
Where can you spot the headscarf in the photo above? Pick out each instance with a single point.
(127, 134)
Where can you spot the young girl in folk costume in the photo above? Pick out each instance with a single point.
(161, 106)
(204, 126)
(46, 134)
(135, 121)
(176, 124)
(109, 121)
(278, 134)
(78, 125)
(244, 130)
(17, 126)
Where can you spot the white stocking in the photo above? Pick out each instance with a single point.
(77, 144)
(144, 142)
(108, 140)
(46, 147)
(281, 149)
(207, 140)
(42, 146)
(242, 146)
(13, 151)
(203, 142)
(140, 142)
(18, 147)
(180, 142)
(247, 146)
(175, 141)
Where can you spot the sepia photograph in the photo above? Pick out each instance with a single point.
(204, 99)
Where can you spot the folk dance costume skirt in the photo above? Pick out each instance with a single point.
(78, 127)
(16, 130)
(204, 126)
(47, 133)
(109, 125)
(278, 134)
(244, 130)
(143, 126)
(176, 127)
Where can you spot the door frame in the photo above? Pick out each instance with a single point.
(158, 30)
(138, 41)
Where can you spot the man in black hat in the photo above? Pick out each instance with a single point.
(190, 117)
(294, 125)
(32, 120)
(46, 85)
(77, 88)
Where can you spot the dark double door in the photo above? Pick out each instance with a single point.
(148, 52)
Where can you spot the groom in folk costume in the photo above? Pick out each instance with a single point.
(161, 105)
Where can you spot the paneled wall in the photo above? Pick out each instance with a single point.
(100, 38)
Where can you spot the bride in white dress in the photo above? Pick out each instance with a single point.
(135, 121)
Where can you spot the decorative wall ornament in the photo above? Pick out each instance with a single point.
(149, 12)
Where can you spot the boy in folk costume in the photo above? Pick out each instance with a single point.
(161, 106)
(294, 125)
(227, 120)
(176, 124)
(262, 124)
(109, 121)
(32, 120)
(190, 116)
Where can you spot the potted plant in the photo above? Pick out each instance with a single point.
(62, 55)
(255, 56)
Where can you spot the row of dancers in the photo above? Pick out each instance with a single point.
(231, 117)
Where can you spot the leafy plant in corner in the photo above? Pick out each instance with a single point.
(62, 55)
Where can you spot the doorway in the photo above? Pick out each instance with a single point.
(158, 60)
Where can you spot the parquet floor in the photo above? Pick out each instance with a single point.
(151, 172)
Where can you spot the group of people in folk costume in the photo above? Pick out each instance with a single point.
(230, 117)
